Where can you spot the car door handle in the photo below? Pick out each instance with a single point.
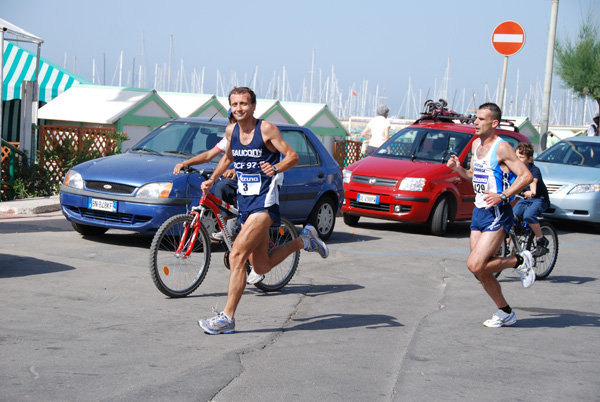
(320, 175)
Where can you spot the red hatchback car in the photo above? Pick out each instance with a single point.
(407, 179)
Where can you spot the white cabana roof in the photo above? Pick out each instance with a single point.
(17, 31)
(185, 104)
(101, 105)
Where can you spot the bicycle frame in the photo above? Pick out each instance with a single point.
(207, 202)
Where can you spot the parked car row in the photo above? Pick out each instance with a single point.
(406, 179)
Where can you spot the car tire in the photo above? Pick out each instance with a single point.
(322, 217)
(439, 217)
(351, 220)
(88, 230)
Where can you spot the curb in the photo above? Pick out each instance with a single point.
(31, 206)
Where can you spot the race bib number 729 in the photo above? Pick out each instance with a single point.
(480, 183)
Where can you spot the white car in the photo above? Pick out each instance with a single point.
(571, 171)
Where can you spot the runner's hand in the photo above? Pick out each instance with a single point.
(267, 168)
(207, 185)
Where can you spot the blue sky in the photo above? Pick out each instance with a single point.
(381, 43)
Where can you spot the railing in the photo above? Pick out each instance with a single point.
(10, 153)
(60, 145)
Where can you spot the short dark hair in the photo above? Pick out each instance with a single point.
(243, 90)
(525, 148)
(495, 109)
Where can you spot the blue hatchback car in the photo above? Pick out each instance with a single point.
(138, 191)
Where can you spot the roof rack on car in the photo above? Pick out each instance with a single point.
(438, 111)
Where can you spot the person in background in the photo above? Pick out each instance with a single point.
(379, 128)
(535, 201)
(593, 128)
(226, 188)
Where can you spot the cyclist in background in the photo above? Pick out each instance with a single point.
(535, 201)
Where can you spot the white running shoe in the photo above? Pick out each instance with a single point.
(253, 278)
(312, 242)
(220, 324)
(501, 319)
(525, 270)
(218, 236)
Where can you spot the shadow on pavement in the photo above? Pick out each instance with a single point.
(336, 321)
(120, 239)
(14, 266)
(556, 318)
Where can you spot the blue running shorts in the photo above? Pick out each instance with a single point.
(273, 211)
(491, 220)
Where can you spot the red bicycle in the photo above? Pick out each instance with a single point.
(180, 253)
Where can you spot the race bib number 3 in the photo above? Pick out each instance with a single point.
(249, 184)
(480, 183)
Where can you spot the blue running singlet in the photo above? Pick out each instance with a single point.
(256, 191)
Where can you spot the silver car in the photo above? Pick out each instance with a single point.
(571, 171)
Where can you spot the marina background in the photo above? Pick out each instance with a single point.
(350, 55)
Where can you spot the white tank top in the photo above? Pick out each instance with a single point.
(487, 174)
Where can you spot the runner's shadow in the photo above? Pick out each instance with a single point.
(336, 321)
(308, 290)
(14, 266)
(556, 318)
(574, 280)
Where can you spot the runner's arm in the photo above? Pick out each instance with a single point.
(272, 136)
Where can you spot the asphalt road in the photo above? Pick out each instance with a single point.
(392, 315)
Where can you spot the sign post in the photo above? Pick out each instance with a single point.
(508, 38)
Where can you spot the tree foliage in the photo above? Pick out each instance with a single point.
(578, 62)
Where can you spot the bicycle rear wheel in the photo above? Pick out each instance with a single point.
(544, 263)
(172, 273)
(281, 274)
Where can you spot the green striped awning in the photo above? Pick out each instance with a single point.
(19, 66)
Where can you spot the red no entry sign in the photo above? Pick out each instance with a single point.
(508, 38)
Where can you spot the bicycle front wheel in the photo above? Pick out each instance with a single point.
(544, 259)
(174, 274)
(281, 274)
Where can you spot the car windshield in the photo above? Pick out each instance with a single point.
(184, 139)
(424, 145)
(569, 152)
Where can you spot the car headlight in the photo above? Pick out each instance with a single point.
(585, 188)
(73, 179)
(159, 189)
(347, 175)
(412, 184)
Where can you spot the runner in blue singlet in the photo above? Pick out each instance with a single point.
(492, 164)
(256, 148)
(259, 191)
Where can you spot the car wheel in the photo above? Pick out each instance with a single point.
(322, 217)
(351, 220)
(439, 218)
(88, 230)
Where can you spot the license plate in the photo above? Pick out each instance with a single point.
(102, 205)
(368, 198)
